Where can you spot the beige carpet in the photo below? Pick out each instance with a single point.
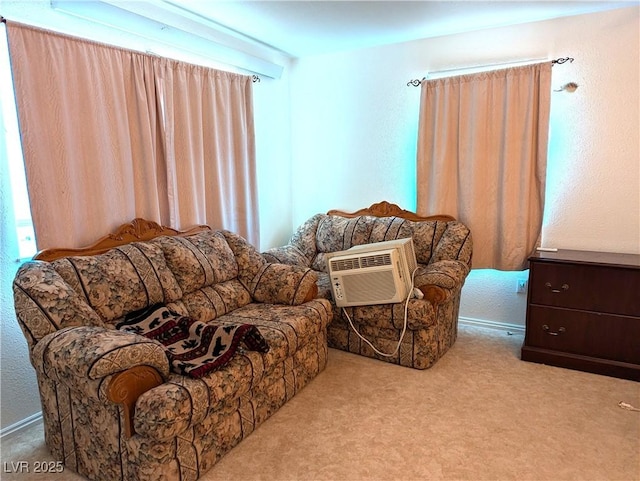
(479, 414)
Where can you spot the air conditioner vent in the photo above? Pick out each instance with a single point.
(351, 263)
(345, 264)
(375, 261)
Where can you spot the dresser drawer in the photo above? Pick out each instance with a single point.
(597, 335)
(604, 289)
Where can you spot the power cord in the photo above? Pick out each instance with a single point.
(627, 406)
(404, 327)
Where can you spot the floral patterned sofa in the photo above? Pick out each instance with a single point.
(443, 250)
(112, 407)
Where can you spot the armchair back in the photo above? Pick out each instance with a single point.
(436, 238)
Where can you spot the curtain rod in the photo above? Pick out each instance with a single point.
(417, 82)
(254, 78)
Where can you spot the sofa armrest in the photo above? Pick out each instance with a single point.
(168, 410)
(77, 354)
(284, 284)
(103, 363)
(288, 254)
(301, 249)
(438, 281)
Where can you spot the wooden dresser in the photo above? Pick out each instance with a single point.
(583, 312)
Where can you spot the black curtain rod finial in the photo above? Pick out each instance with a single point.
(415, 82)
(562, 60)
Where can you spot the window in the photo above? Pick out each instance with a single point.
(16, 201)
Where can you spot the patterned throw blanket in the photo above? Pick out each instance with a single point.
(194, 348)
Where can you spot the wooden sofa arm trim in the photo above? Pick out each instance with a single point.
(127, 386)
(434, 294)
(312, 293)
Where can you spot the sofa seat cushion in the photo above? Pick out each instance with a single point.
(194, 348)
(122, 280)
(181, 402)
(285, 328)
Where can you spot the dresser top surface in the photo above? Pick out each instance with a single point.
(587, 257)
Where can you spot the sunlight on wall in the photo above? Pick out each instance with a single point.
(19, 198)
(561, 125)
(489, 296)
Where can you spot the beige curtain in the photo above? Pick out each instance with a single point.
(482, 156)
(210, 152)
(99, 149)
(89, 135)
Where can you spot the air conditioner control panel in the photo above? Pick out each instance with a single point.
(336, 285)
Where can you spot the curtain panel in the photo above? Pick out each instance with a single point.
(100, 147)
(208, 131)
(482, 156)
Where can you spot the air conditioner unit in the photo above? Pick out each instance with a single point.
(378, 273)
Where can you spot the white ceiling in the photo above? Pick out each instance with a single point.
(302, 28)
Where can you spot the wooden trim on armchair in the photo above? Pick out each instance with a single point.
(135, 231)
(386, 209)
(127, 386)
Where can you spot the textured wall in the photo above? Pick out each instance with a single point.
(17, 378)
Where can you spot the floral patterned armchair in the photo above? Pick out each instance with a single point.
(113, 407)
(443, 249)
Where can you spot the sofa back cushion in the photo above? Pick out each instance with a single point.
(199, 260)
(121, 280)
(45, 303)
(336, 233)
(211, 302)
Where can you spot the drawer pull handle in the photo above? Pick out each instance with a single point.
(548, 330)
(565, 287)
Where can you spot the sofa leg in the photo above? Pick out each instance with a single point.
(127, 386)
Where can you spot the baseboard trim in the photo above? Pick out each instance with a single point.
(501, 326)
(20, 425)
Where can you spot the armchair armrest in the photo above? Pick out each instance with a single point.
(440, 280)
(284, 284)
